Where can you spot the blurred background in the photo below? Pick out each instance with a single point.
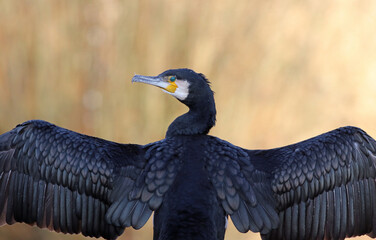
(282, 70)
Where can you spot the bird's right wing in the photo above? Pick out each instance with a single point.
(243, 191)
(325, 186)
(68, 182)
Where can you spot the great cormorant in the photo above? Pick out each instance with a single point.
(54, 178)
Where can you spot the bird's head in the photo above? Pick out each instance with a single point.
(186, 85)
(192, 89)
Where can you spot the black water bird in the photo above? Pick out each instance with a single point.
(320, 188)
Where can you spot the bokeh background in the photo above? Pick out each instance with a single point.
(282, 70)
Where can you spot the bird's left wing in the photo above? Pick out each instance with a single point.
(68, 182)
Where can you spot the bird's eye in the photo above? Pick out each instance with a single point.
(172, 79)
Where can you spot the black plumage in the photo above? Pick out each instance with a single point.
(54, 178)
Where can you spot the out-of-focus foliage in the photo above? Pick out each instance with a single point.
(282, 70)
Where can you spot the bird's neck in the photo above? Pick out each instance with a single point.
(198, 120)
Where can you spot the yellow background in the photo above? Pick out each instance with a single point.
(282, 70)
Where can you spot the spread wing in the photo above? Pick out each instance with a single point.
(324, 187)
(68, 182)
(243, 190)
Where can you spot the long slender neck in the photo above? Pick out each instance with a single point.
(198, 120)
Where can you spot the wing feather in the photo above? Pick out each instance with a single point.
(324, 186)
(244, 192)
(309, 219)
(302, 223)
(62, 180)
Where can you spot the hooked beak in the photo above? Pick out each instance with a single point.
(161, 82)
(177, 88)
(151, 80)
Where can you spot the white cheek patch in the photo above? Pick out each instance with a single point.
(182, 91)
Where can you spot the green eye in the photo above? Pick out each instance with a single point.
(172, 79)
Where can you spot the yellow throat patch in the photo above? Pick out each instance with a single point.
(172, 87)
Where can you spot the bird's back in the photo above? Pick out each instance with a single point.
(190, 209)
